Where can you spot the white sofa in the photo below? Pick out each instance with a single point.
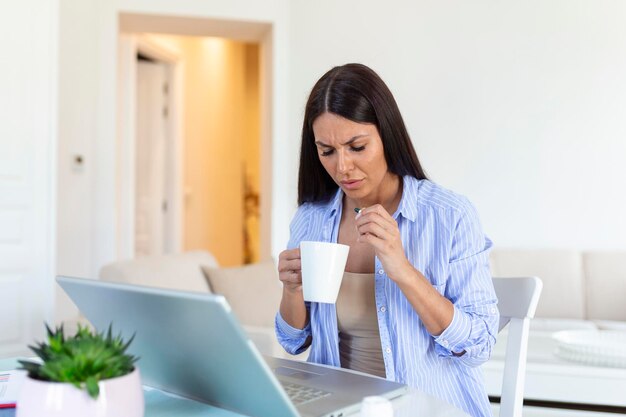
(577, 285)
(581, 290)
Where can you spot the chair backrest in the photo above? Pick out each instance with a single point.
(517, 302)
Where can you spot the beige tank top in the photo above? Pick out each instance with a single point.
(359, 338)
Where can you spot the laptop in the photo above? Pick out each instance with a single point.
(191, 344)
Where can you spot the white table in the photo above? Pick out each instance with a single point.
(158, 404)
(550, 379)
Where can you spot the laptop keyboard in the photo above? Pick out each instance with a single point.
(300, 394)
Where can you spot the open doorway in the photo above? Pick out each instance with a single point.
(208, 192)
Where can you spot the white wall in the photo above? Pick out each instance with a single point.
(521, 106)
(78, 98)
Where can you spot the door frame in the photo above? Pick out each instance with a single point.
(272, 40)
(129, 45)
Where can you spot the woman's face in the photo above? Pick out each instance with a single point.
(352, 154)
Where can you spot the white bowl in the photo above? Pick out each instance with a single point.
(592, 347)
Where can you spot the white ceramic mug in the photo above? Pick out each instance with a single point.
(323, 265)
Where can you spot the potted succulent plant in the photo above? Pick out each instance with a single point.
(88, 374)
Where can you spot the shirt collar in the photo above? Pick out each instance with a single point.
(335, 203)
(408, 203)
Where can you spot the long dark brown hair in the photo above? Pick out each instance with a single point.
(354, 92)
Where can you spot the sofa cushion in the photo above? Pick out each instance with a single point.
(253, 291)
(179, 271)
(561, 272)
(606, 284)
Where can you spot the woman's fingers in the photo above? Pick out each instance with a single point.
(375, 220)
(294, 277)
(374, 229)
(289, 260)
(289, 267)
(289, 254)
(376, 214)
(377, 228)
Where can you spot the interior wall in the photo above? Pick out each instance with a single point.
(214, 204)
(78, 89)
(521, 106)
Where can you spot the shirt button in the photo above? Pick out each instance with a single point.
(444, 342)
(388, 350)
(380, 272)
(383, 309)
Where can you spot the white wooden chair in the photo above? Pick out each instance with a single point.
(517, 302)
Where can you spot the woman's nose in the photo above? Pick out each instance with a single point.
(344, 162)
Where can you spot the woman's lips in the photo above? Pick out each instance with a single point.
(352, 184)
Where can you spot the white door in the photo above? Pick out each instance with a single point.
(151, 152)
(28, 110)
(26, 254)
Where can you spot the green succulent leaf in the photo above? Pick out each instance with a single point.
(92, 387)
(82, 360)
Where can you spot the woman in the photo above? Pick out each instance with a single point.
(416, 304)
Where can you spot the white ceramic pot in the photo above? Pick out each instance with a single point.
(119, 397)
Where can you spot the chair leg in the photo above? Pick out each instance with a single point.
(512, 397)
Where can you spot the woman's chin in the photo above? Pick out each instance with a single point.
(358, 194)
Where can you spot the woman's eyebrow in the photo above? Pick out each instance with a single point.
(319, 142)
(348, 142)
(355, 138)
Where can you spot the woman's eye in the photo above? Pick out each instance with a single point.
(327, 152)
(358, 149)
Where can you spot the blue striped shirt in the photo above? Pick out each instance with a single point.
(442, 238)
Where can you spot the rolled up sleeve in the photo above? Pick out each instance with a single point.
(293, 340)
(472, 332)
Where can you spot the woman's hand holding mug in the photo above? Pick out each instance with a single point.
(290, 270)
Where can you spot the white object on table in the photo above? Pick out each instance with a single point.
(10, 384)
(375, 406)
(592, 347)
